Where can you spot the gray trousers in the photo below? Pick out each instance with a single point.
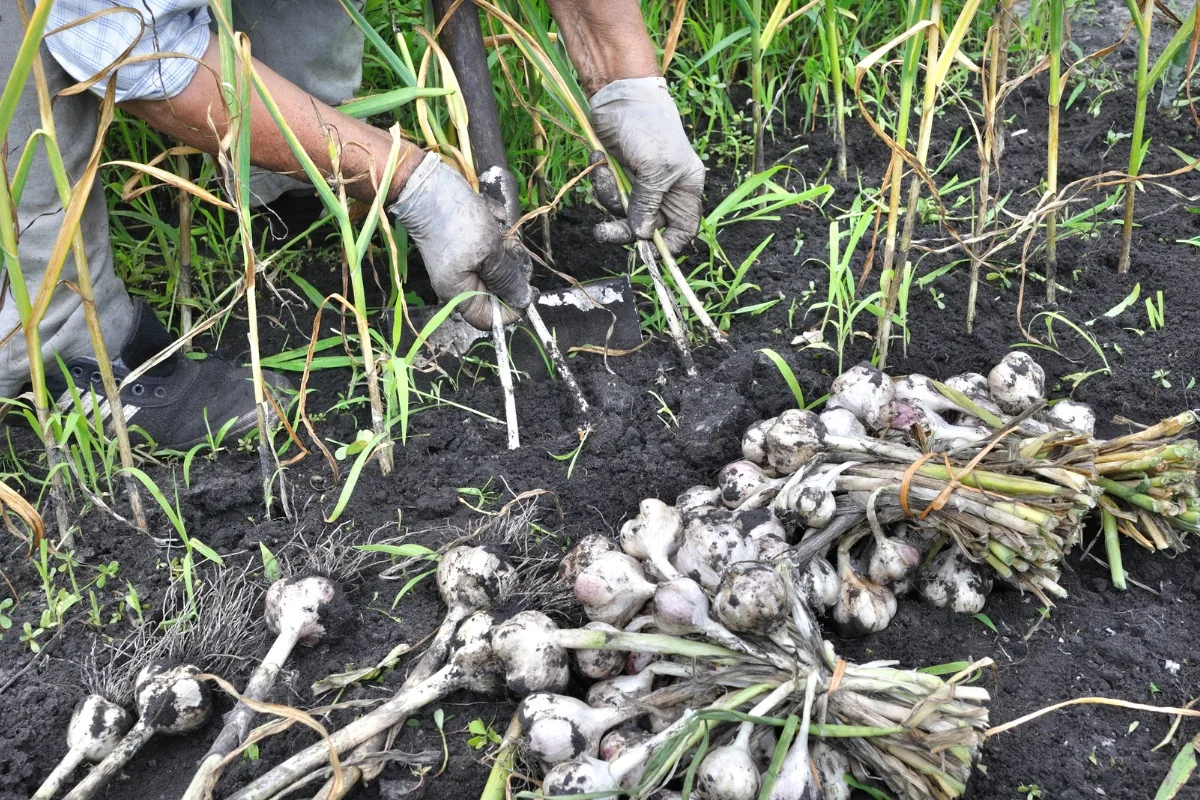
(313, 43)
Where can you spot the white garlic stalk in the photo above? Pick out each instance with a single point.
(613, 588)
(558, 727)
(865, 392)
(96, 728)
(654, 535)
(1017, 382)
(582, 554)
(796, 780)
(599, 665)
(842, 422)
(918, 390)
(618, 691)
(754, 441)
(729, 772)
(952, 581)
(169, 700)
(798, 437)
(1073, 416)
(818, 584)
(863, 606)
(708, 550)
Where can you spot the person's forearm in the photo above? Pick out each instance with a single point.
(191, 116)
(606, 39)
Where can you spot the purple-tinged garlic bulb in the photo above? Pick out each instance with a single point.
(613, 588)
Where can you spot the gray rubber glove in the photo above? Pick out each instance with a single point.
(637, 122)
(460, 240)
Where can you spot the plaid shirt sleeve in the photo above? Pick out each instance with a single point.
(179, 26)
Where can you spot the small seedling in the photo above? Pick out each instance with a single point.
(986, 621)
(482, 735)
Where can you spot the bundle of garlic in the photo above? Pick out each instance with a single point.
(700, 613)
(1007, 493)
(1149, 482)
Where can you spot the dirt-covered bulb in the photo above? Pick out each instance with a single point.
(1017, 382)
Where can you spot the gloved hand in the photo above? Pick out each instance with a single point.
(637, 122)
(460, 241)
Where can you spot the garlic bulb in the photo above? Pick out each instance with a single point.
(582, 554)
(698, 498)
(972, 384)
(681, 607)
(842, 422)
(818, 584)
(558, 727)
(832, 765)
(620, 740)
(810, 503)
(865, 392)
(892, 559)
(654, 535)
(758, 522)
(583, 776)
(599, 665)
(739, 481)
(752, 599)
(952, 581)
(918, 390)
(1073, 416)
(863, 606)
(96, 728)
(618, 691)
(531, 660)
(1017, 382)
(772, 548)
(612, 588)
(754, 441)
(727, 773)
(795, 438)
(709, 549)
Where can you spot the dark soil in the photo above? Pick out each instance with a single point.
(1098, 642)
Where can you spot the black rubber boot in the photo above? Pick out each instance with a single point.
(177, 403)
